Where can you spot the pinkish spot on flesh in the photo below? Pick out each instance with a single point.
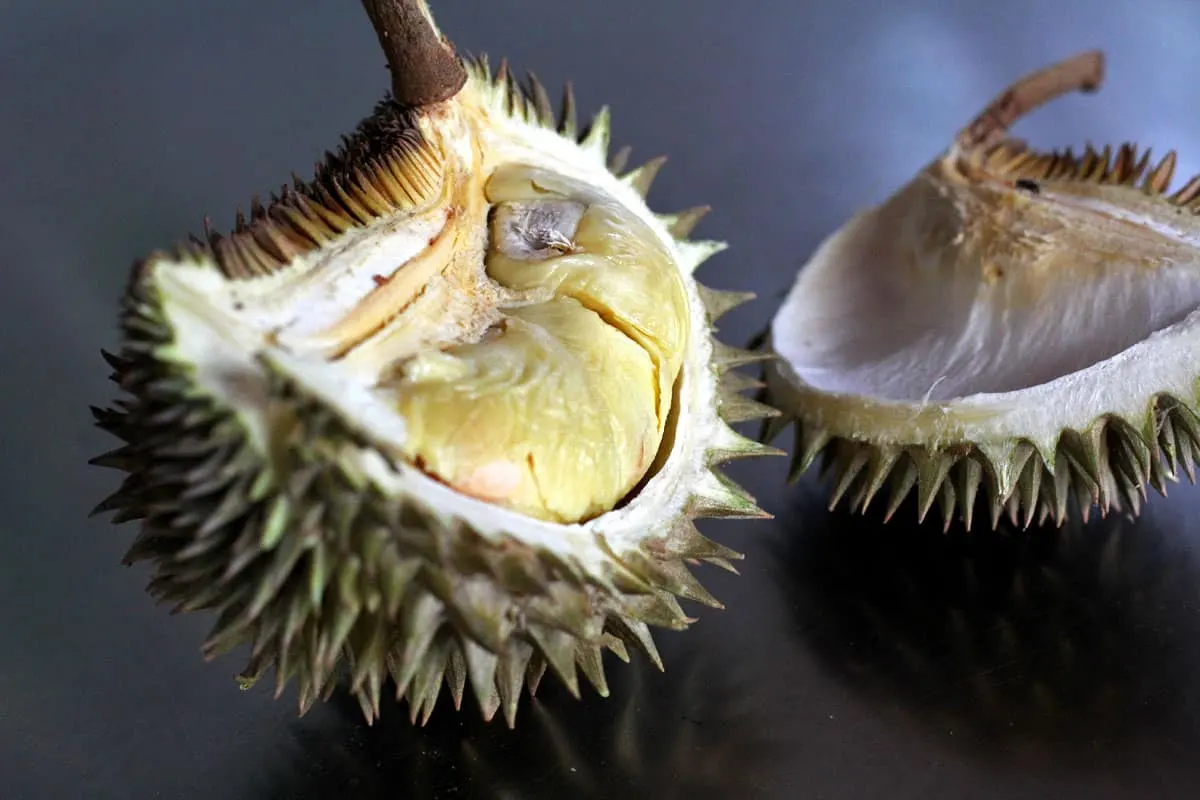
(495, 480)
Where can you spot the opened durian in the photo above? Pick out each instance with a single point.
(1013, 328)
(446, 413)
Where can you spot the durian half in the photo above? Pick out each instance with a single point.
(445, 413)
(1013, 328)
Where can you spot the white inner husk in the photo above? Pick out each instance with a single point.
(861, 321)
(868, 322)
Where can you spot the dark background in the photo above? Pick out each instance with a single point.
(854, 660)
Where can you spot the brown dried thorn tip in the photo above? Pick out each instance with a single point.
(424, 66)
(1080, 73)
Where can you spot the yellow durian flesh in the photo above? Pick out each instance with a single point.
(560, 408)
(1011, 325)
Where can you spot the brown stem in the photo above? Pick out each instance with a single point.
(424, 66)
(1083, 73)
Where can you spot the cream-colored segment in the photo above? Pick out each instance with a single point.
(561, 410)
(554, 417)
(617, 268)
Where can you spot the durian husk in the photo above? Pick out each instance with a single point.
(1100, 445)
(328, 560)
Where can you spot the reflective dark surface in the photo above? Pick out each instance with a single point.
(855, 659)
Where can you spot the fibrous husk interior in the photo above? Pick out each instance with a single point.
(999, 267)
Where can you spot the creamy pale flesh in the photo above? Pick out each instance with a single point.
(559, 408)
(955, 288)
(518, 332)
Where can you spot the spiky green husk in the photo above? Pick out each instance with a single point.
(1108, 463)
(307, 561)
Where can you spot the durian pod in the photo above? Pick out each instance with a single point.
(1012, 330)
(444, 414)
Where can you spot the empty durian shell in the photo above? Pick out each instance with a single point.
(444, 414)
(1013, 328)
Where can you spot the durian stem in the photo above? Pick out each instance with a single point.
(1083, 72)
(424, 67)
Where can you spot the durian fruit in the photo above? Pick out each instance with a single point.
(444, 414)
(1013, 328)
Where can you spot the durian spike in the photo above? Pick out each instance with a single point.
(424, 66)
(1083, 72)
